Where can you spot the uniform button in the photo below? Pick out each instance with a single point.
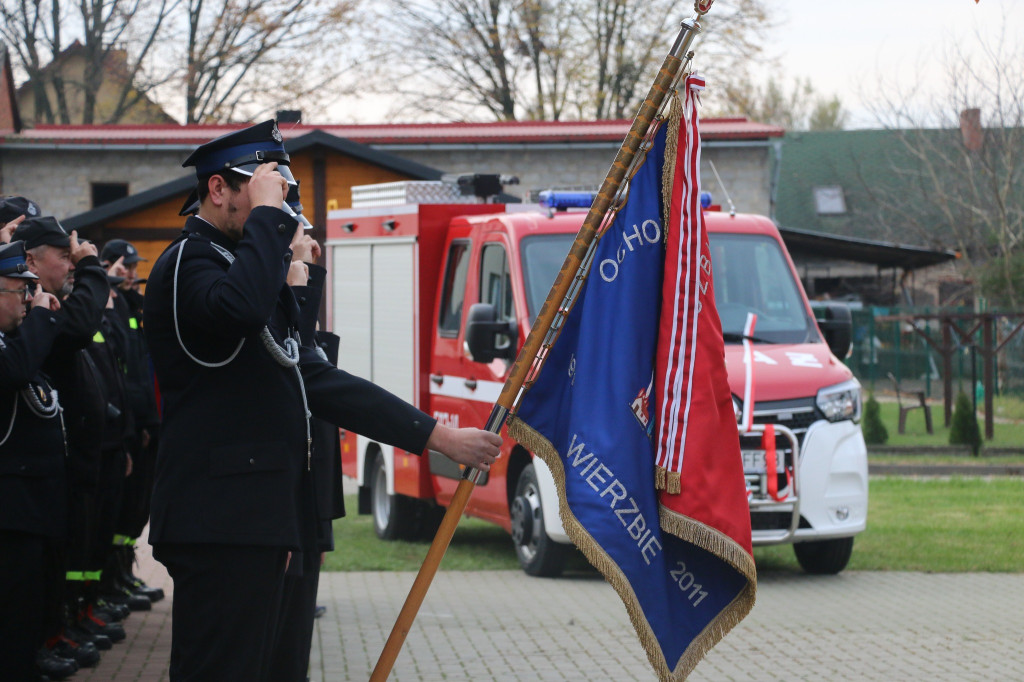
(23, 467)
(281, 228)
(416, 424)
(302, 299)
(53, 320)
(252, 461)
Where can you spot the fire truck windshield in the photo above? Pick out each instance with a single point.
(542, 256)
(750, 275)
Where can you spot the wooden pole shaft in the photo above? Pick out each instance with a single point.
(666, 80)
(419, 588)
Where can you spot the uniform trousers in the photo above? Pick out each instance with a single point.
(30, 590)
(290, 658)
(225, 609)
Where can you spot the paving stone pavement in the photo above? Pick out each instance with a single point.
(503, 625)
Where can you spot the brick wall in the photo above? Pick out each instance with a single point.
(61, 180)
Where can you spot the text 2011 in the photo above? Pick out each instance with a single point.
(687, 583)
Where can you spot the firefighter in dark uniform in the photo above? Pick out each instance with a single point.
(129, 345)
(290, 659)
(32, 457)
(235, 445)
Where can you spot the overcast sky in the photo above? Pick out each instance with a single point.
(845, 47)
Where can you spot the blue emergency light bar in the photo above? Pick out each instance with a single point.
(559, 201)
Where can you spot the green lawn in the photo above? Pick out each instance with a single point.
(937, 525)
(1006, 434)
(941, 525)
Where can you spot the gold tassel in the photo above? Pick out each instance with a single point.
(673, 486)
(659, 478)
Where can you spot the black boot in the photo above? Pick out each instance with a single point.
(90, 622)
(134, 583)
(55, 667)
(85, 655)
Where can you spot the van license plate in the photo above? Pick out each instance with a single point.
(753, 462)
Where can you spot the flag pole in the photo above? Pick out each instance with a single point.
(542, 332)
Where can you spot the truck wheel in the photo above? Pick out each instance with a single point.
(391, 513)
(538, 554)
(824, 557)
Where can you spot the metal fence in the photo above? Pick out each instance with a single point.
(887, 350)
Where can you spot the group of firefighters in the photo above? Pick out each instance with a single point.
(80, 424)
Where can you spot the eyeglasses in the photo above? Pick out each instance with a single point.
(26, 293)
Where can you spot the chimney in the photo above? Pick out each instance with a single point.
(970, 129)
(289, 116)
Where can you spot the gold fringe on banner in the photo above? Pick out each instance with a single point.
(729, 617)
(659, 478)
(711, 540)
(672, 485)
(668, 171)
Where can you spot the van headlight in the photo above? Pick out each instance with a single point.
(840, 402)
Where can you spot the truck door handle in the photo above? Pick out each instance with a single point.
(437, 378)
(470, 384)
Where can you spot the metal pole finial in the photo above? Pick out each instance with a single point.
(702, 7)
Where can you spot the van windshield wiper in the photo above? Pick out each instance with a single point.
(732, 336)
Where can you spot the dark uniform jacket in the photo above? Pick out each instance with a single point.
(233, 456)
(33, 496)
(130, 348)
(77, 378)
(326, 460)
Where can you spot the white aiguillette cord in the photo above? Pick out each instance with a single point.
(34, 402)
(286, 356)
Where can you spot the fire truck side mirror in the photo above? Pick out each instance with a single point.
(836, 323)
(484, 334)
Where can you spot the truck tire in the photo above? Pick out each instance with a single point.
(538, 554)
(824, 557)
(392, 514)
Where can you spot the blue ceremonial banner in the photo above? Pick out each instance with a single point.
(590, 417)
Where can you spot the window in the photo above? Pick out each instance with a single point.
(751, 275)
(454, 292)
(106, 192)
(495, 282)
(829, 200)
(496, 285)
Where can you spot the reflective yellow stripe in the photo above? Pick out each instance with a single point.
(93, 575)
(124, 540)
(98, 337)
(133, 323)
(75, 575)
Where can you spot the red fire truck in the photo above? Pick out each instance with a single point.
(414, 269)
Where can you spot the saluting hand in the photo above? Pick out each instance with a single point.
(80, 250)
(304, 247)
(7, 231)
(117, 268)
(267, 187)
(298, 274)
(41, 299)
(470, 446)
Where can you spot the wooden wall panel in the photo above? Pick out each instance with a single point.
(152, 229)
